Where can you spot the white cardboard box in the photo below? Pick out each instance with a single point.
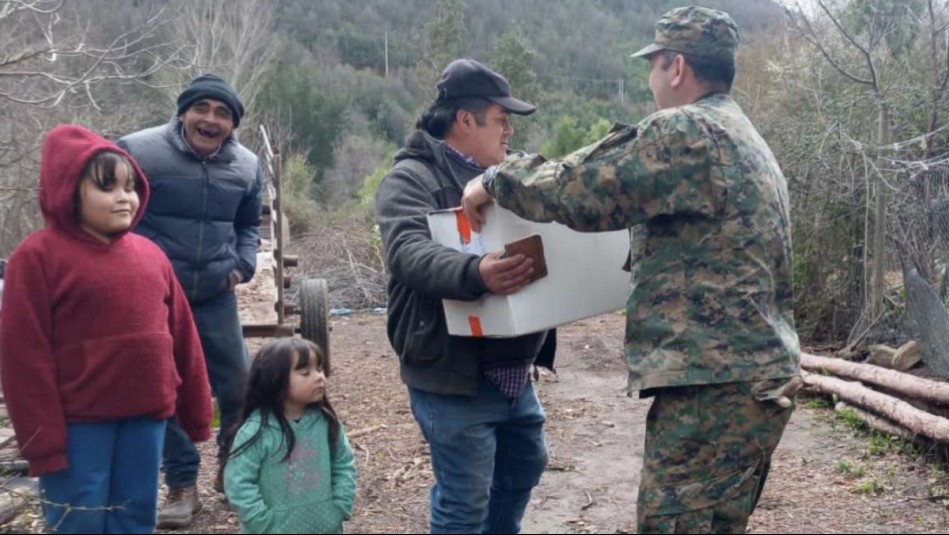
(585, 274)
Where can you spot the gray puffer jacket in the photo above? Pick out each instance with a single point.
(203, 212)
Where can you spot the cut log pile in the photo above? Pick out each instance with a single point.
(17, 493)
(886, 399)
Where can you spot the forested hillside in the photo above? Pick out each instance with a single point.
(850, 94)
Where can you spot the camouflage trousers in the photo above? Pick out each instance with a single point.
(708, 451)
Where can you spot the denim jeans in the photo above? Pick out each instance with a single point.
(228, 361)
(111, 484)
(488, 453)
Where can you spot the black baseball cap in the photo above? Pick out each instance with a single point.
(466, 78)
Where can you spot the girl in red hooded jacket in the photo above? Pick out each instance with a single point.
(97, 346)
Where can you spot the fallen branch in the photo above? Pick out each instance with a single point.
(14, 502)
(363, 449)
(590, 501)
(850, 351)
(365, 431)
(904, 383)
(402, 474)
(901, 412)
(558, 465)
(18, 466)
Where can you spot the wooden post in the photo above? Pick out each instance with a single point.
(278, 218)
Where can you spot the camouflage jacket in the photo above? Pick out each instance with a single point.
(707, 205)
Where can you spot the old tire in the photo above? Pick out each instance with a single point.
(314, 313)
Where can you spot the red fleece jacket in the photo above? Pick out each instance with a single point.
(93, 332)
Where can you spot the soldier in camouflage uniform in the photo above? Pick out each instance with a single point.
(710, 329)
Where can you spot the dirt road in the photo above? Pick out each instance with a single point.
(824, 479)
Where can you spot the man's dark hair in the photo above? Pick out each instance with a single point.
(3, 267)
(440, 116)
(711, 71)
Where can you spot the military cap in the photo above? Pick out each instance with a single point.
(697, 31)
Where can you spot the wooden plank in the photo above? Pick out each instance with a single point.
(252, 330)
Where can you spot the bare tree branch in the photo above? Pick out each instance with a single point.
(810, 35)
(866, 51)
(23, 57)
(56, 65)
(227, 42)
(106, 64)
(8, 7)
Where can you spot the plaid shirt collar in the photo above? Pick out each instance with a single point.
(461, 158)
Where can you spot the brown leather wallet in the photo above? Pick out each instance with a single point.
(531, 247)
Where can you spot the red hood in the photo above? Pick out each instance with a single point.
(66, 151)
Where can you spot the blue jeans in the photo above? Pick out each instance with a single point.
(111, 484)
(228, 360)
(488, 453)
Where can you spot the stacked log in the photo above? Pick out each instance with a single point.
(894, 402)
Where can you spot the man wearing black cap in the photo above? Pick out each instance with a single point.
(472, 397)
(204, 213)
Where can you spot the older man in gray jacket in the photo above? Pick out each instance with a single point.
(204, 212)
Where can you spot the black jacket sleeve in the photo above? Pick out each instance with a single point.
(432, 269)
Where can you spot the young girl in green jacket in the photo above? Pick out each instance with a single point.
(290, 468)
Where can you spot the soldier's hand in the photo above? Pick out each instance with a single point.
(505, 276)
(473, 201)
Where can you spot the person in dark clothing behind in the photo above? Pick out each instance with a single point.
(472, 397)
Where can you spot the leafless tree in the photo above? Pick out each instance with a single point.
(835, 44)
(231, 38)
(49, 58)
(355, 159)
(936, 27)
(60, 63)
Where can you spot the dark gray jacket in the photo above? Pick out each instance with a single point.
(204, 213)
(422, 273)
